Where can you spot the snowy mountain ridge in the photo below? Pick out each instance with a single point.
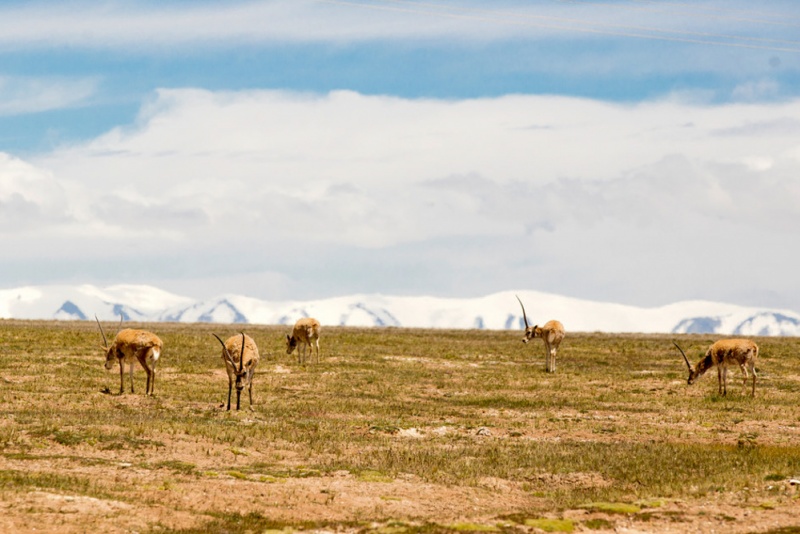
(498, 311)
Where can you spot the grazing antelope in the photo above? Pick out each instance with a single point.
(725, 352)
(240, 355)
(305, 332)
(129, 346)
(552, 333)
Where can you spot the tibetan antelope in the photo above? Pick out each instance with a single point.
(305, 333)
(552, 333)
(725, 352)
(130, 346)
(240, 355)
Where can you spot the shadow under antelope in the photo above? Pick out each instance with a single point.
(725, 352)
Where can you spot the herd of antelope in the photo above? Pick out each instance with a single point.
(240, 354)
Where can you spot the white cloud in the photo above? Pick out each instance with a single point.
(607, 201)
(152, 25)
(30, 198)
(752, 91)
(758, 164)
(149, 26)
(19, 95)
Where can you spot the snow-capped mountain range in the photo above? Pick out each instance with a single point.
(499, 311)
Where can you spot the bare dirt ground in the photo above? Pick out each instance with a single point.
(178, 480)
(343, 501)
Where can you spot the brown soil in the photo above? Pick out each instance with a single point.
(348, 502)
(341, 501)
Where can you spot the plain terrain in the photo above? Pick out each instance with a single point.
(395, 431)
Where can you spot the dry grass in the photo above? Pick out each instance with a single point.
(396, 430)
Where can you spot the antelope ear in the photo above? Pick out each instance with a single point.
(288, 338)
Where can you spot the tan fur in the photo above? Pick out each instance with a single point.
(241, 375)
(305, 333)
(725, 352)
(552, 333)
(130, 346)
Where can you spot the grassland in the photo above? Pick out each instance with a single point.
(395, 431)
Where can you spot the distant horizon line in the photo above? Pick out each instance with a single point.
(394, 295)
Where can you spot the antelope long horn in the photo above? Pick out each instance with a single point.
(241, 356)
(224, 348)
(524, 316)
(105, 341)
(689, 365)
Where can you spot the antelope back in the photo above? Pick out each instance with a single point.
(234, 346)
(130, 337)
(734, 351)
(554, 327)
(306, 330)
(129, 345)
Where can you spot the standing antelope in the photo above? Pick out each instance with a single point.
(305, 332)
(552, 333)
(725, 352)
(129, 346)
(240, 355)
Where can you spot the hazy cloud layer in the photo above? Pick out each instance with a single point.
(118, 24)
(21, 95)
(85, 23)
(31, 200)
(711, 31)
(316, 195)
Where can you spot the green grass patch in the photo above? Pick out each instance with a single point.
(177, 466)
(551, 525)
(225, 523)
(612, 507)
(616, 424)
(472, 527)
(23, 480)
(373, 476)
(599, 524)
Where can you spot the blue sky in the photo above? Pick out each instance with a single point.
(503, 52)
(612, 150)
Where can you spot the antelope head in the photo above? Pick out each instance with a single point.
(530, 331)
(291, 343)
(693, 374)
(111, 352)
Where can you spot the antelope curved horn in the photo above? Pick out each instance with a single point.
(524, 316)
(689, 365)
(241, 356)
(105, 341)
(224, 349)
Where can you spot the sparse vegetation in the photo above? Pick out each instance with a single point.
(551, 525)
(394, 431)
